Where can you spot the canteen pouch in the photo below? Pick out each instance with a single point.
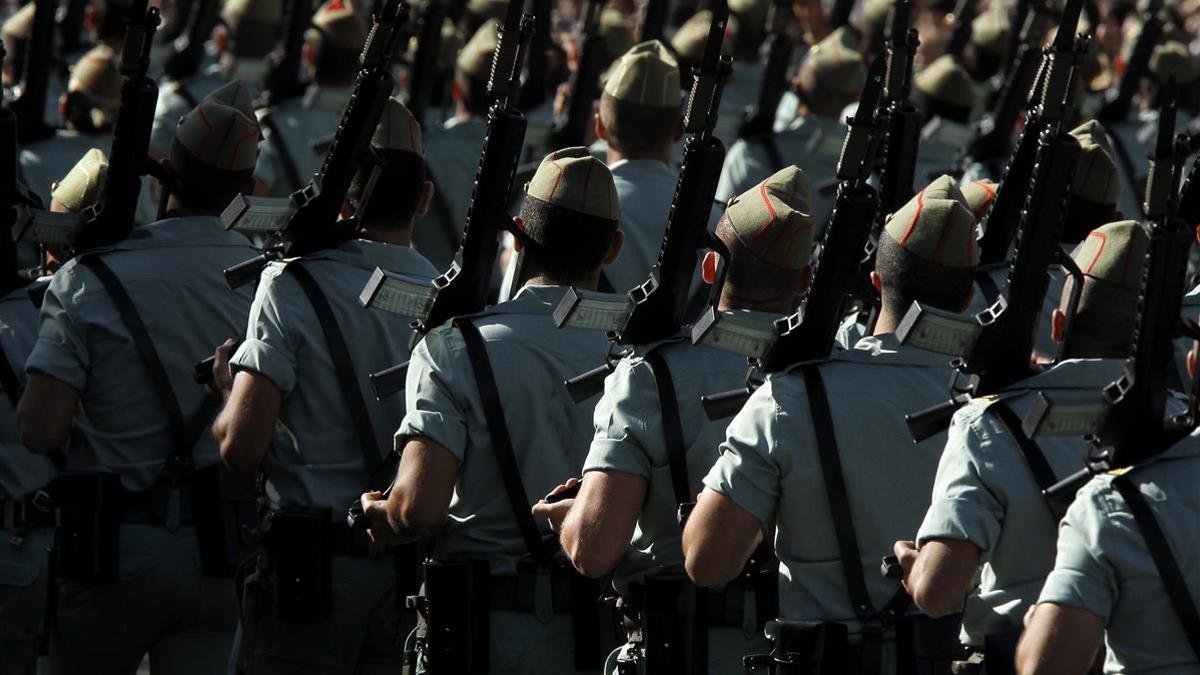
(225, 510)
(299, 543)
(88, 511)
(804, 648)
(927, 646)
(457, 611)
(674, 613)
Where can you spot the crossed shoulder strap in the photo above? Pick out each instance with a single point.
(1035, 457)
(668, 403)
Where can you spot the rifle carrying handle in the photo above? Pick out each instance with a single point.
(725, 404)
(244, 272)
(389, 380)
(927, 423)
(584, 386)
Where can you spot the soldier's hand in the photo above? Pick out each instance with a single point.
(374, 506)
(553, 510)
(222, 380)
(906, 553)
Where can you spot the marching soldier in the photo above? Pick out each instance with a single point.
(987, 507)
(630, 469)
(848, 411)
(120, 373)
(946, 97)
(989, 39)
(297, 132)
(285, 372)
(461, 442)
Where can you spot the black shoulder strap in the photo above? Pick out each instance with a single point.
(343, 367)
(1160, 550)
(506, 458)
(1042, 473)
(668, 403)
(291, 170)
(184, 433)
(9, 380)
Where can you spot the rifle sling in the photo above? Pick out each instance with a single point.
(1043, 474)
(668, 403)
(343, 366)
(1160, 551)
(185, 433)
(291, 170)
(9, 380)
(506, 458)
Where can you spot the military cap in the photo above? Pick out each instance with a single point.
(398, 129)
(1173, 58)
(616, 31)
(947, 81)
(689, 40)
(98, 75)
(1096, 178)
(475, 59)
(875, 14)
(747, 6)
(573, 179)
(989, 30)
(979, 195)
(837, 67)
(80, 188)
(253, 21)
(487, 9)
(647, 75)
(774, 219)
(337, 24)
(19, 26)
(1114, 253)
(222, 132)
(937, 226)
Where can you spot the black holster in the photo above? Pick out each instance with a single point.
(224, 509)
(457, 612)
(927, 646)
(674, 625)
(88, 510)
(804, 648)
(298, 542)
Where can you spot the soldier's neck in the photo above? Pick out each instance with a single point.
(886, 323)
(401, 237)
(613, 156)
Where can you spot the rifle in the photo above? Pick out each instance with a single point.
(70, 25)
(995, 346)
(1137, 426)
(839, 14)
(903, 118)
(760, 118)
(283, 79)
(960, 33)
(657, 308)
(534, 86)
(1118, 100)
(654, 19)
(810, 332)
(30, 106)
(425, 65)
(570, 128)
(187, 50)
(463, 289)
(313, 221)
(12, 193)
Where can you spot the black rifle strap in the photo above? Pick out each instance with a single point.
(1160, 550)
(9, 380)
(291, 170)
(1038, 465)
(343, 367)
(506, 457)
(774, 156)
(184, 433)
(668, 403)
(1128, 167)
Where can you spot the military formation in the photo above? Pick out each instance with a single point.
(573, 336)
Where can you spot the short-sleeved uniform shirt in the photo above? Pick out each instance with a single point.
(21, 471)
(172, 271)
(48, 161)
(1104, 566)
(645, 188)
(740, 90)
(769, 466)
(322, 463)
(176, 99)
(629, 438)
(306, 124)
(550, 433)
(986, 494)
(452, 160)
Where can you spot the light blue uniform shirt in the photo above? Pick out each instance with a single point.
(645, 188)
(302, 122)
(21, 471)
(452, 159)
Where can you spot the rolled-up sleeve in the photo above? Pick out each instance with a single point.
(624, 418)
(61, 349)
(745, 471)
(268, 347)
(438, 370)
(962, 506)
(1082, 577)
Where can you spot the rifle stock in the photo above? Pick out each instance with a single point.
(534, 87)
(187, 50)
(760, 118)
(1118, 100)
(570, 129)
(903, 119)
(425, 65)
(283, 80)
(30, 106)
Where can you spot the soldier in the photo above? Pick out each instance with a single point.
(456, 456)
(630, 470)
(831, 76)
(987, 506)
(285, 372)
(989, 39)
(767, 469)
(89, 109)
(134, 412)
(297, 132)
(639, 120)
(15, 32)
(946, 97)
(246, 35)
(1105, 590)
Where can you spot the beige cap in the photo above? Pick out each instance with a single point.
(989, 30)
(617, 32)
(398, 129)
(222, 131)
(875, 13)
(747, 6)
(945, 80)
(937, 226)
(689, 40)
(19, 26)
(254, 21)
(1096, 178)
(337, 24)
(475, 59)
(837, 67)
(487, 9)
(573, 179)
(80, 188)
(774, 219)
(98, 75)
(979, 195)
(1115, 253)
(1173, 58)
(647, 75)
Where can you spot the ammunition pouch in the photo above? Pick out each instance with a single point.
(456, 608)
(998, 657)
(225, 511)
(88, 510)
(928, 646)
(804, 648)
(675, 625)
(299, 545)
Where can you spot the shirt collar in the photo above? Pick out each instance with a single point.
(1075, 374)
(184, 231)
(368, 255)
(885, 349)
(642, 165)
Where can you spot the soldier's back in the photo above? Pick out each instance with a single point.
(451, 161)
(295, 137)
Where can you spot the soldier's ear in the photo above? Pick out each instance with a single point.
(614, 247)
(708, 268)
(1191, 361)
(1058, 324)
(426, 198)
(601, 131)
(876, 282)
(520, 226)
